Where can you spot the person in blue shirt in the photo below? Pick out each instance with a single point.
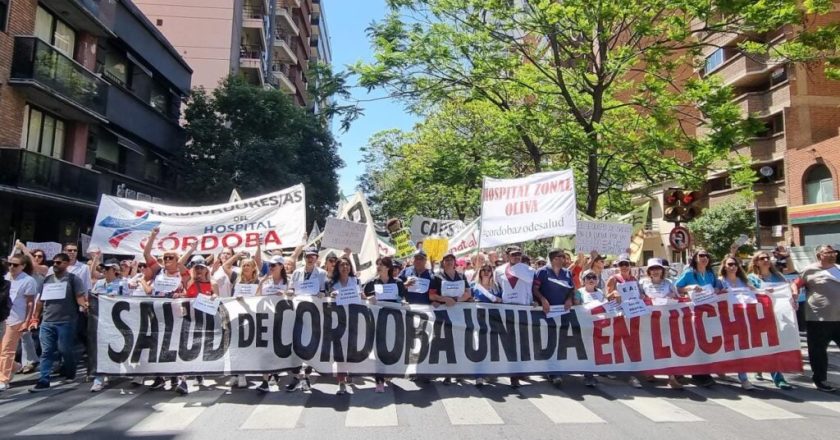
(698, 274)
(553, 286)
(417, 279)
(484, 288)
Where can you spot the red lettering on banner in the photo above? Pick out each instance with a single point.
(734, 327)
(709, 346)
(683, 347)
(599, 340)
(628, 338)
(526, 207)
(187, 241)
(764, 324)
(660, 350)
(231, 240)
(252, 239)
(209, 242)
(272, 238)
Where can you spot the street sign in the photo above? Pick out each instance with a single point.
(680, 238)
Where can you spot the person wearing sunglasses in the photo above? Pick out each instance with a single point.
(22, 292)
(75, 266)
(384, 288)
(29, 354)
(515, 279)
(622, 285)
(417, 279)
(111, 284)
(697, 277)
(732, 276)
(275, 283)
(343, 279)
(593, 298)
(761, 272)
(822, 311)
(308, 280)
(485, 290)
(56, 316)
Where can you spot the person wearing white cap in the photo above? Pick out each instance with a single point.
(111, 284)
(275, 283)
(660, 291)
(591, 294)
(307, 280)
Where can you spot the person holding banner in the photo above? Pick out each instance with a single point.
(553, 287)
(698, 278)
(733, 277)
(449, 287)
(56, 315)
(172, 277)
(112, 283)
(660, 291)
(763, 273)
(417, 279)
(308, 280)
(22, 292)
(625, 287)
(277, 280)
(344, 287)
(485, 289)
(515, 280)
(200, 282)
(384, 288)
(592, 298)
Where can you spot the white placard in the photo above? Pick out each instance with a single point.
(386, 292)
(663, 301)
(523, 272)
(741, 295)
(634, 307)
(422, 227)
(537, 206)
(452, 289)
(628, 290)
(50, 248)
(834, 272)
(269, 288)
(307, 287)
(556, 311)
(341, 234)
(273, 220)
(612, 307)
(54, 291)
(206, 304)
(84, 239)
(356, 210)
(594, 304)
(245, 289)
(607, 238)
(420, 285)
(514, 296)
(705, 296)
(348, 295)
(776, 289)
(165, 284)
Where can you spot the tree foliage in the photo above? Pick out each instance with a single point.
(255, 140)
(717, 228)
(609, 89)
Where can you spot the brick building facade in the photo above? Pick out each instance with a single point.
(813, 186)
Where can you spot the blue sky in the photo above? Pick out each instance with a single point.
(347, 21)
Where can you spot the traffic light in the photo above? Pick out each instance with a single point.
(681, 206)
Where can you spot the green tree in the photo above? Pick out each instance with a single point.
(717, 228)
(607, 88)
(255, 140)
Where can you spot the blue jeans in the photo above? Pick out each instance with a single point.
(58, 338)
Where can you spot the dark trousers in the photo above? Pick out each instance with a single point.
(820, 334)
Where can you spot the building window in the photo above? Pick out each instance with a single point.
(714, 60)
(44, 134)
(108, 153)
(819, 186)
(778, 76)
(154, 168)
(116, 68)
(161, 99)
(4, 15)
(54, 31)
(772, 126)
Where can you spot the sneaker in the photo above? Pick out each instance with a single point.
(306, 385)
(241, 381)
(480, 382)
(263, 387)
(634, 382)
(380, 387)
(293, 384)
(557, 381)
(747, 385)
(514, 382)
(590, 381)
(4, 386)
(98, 385)
(182, 388)
(825, 387)
(40, 386)
(674, 384)
(28, 368)
(447, 380)
(783, 385)
(342, 389)
(158, 384)
(759, 376)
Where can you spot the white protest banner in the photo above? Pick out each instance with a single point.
(276, 220)
(206, 304)
(465, 241)
(356, 210)
(341, 234)
(604, 237)
(422, 227)
(385, 338)
(50, 248)
(538, 206)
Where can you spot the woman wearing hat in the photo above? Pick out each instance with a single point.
(626, 282)
(659, 290)
(308, 280)
(111, 284)
(591, 294)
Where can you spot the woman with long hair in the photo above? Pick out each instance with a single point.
(732, 276)
(384, 288)
(343, 280)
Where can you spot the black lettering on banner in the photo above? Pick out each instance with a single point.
(502, 332)
(124, 329)
(331, 342)
(383, 354)
(167, 354)
(211, 353)
(281, 350)
(190, 352)
(539, 321)
(354, 353)
(416, 336)
(573, 339)
(475, 354)
(246, 330)
(524, 339)
(147, 336)
(443, 339)
(260, 329)
(306, 352)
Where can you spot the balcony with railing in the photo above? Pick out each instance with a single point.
(55, 81)
(764, 149)
(96, 17)
(282, 74)
(763, 104)
(29, 171)
(286, 21)
(283, 48)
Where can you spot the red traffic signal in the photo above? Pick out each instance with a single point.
(680, 206)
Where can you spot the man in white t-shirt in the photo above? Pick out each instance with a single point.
(76, 267)
(515, 280)
(22, 295)
(307, 280)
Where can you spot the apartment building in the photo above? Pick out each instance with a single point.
(90, 95)
(268, 42)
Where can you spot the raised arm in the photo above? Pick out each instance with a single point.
(150, 243)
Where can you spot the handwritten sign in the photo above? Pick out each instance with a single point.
(245, 290)
(663, 301)
(348, 295)
(435, 248)
(50, 248)
(386, 292)
(402, 241)
(206, 304)
(167, 284)
(341, 234)
(269, 288)
(54, 291)
(606, 238)
(307, 287)
(634, 307)
(705, 296)
(628, 290)
(452, 289)
(556, 311)
(420, 285)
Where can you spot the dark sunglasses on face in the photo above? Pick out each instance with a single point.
(58, 263)
(731, 264)
(168, 257)
(764, 258)
(589, 278)
(702, 255)
(15, 264)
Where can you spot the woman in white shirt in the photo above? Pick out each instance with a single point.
(343, 281)
(660, 291)
(22, 295)
(275, 283)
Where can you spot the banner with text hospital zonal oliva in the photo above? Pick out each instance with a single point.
(137, 336)
(274, 220)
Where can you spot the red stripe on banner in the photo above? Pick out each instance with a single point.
(785, 362)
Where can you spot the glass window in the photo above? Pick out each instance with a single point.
(54, 31)
(116, 67)
(108, 150)
(33, 133)
(153, 169)
(161, 99)
(819, 186)
(45, 134)
(714, 60)
(64, 38)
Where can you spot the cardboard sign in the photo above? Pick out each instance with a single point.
(341, 234)
(206, 304)
(386, 292)
(348, 295)
(435, 248)
(402, 241)
(54, 291)
(634, 307)
(50, 248)
(606, 238)
(422, 227)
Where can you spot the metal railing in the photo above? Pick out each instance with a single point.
(28, 170)
(250, 51)
(35, 60)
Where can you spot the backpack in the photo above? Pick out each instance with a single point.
(5, 299)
